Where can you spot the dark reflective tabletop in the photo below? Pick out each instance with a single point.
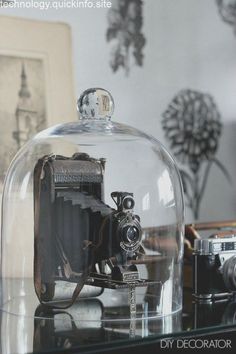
(60, 332)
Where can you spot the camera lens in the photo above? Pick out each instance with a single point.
(229, 273)
(128, 203)
(130, 234)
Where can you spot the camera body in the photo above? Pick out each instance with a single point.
(214, 267)
(78, 238)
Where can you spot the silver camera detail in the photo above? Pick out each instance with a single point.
(214, 267)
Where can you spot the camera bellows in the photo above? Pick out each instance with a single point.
(79, 218)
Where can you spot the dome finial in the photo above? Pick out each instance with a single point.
(95, 103)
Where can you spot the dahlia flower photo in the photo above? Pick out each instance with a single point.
(192, 126)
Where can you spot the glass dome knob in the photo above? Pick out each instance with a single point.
(95, 103)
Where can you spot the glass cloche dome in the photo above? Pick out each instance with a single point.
(92, 209)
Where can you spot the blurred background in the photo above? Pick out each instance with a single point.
(170, 66)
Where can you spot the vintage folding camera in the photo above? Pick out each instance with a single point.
(214, 266)
(78, 238)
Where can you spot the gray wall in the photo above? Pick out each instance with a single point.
(188, 46)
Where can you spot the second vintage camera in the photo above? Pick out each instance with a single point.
(214, 267)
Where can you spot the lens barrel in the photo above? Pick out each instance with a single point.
(129, 233)
(229, 273)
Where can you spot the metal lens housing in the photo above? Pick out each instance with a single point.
(229, 273)
(129, 233)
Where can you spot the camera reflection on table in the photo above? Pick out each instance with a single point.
(83, 324)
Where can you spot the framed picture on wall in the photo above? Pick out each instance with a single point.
(36, 82)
